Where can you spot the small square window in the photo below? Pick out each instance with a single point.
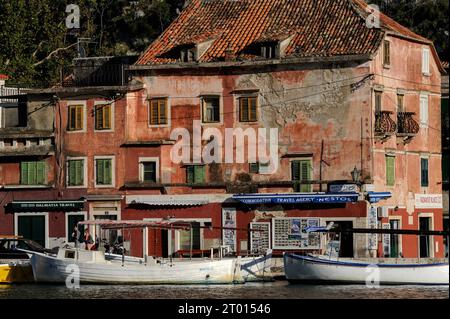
(103, 117)
(148, 172)
(253, 168)
(158, 111)
(75, 121)
(211, 109)
(248, 109)
(195, 174)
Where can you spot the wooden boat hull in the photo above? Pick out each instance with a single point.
(53, 270)
(308, 269)
(16, 273)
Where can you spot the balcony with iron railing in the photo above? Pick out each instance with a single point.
(385, 126)
(407, 126)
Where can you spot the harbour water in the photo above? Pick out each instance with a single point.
(271, 290)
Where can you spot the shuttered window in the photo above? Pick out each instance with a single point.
(390, 170)
(211, 109)
(75, 122)
(248, 109)
(103, 171)
(195, 174)
(253, 168)
(387, 53)
(32, 173)
(424, 172)
(301, 170)
(158, 111)
(424, 110)
(426, 61)
(148, 172)
(400, 98)
(75, 172)
(103, 117)
(378, 96)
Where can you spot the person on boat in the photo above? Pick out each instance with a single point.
(75, 235)
(87, 239)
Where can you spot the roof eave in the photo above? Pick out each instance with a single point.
(231, 64)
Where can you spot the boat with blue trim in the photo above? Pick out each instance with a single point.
(382, 271)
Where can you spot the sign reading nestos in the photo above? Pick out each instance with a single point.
(428, 201)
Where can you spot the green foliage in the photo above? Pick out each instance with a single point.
(30, 30)
(428, 18)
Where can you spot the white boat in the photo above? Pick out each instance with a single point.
(92, 267)
(325, 269)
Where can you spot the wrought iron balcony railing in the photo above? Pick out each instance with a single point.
(407, 126)
(384, 125)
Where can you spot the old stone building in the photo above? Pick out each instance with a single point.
(351, 98)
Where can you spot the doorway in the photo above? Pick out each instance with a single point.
(425, 241)
(346, 239)
(32, 227)
(394, 242)
(72, 221)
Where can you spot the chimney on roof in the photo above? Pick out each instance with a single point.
(229, 54)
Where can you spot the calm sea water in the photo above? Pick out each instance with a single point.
(272, 290)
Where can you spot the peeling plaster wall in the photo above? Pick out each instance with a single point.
(306, 105)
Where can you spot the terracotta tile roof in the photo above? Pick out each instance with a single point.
(4, 77)
(445, 64)
(318, 27)
(314, 28)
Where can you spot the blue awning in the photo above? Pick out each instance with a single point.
(297, 198)
(375, 197)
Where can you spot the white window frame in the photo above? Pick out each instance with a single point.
(169, 112)
(82, 213)
(85, 175)
(426, 61)
(424, 115)
(32, 214)
(113, 173)
(80, 102)
(141, 167)
(211, 95)
(112, 103)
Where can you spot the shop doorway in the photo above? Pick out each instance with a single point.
(425, 242)
(346, 239)
(394, 242)
(72, 221)
(32, 227)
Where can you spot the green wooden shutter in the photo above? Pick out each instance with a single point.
(295, 168)
(31, 173)
(71, 172)
(24, 173)
(199, 175)
(305, 175)
(108, 172)
(79, 117)
(190, 174)
(40, 173)
(79, 172)
(390, 170)
(98, 117)
(100, 171)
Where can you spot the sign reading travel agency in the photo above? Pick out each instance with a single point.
(428, 200)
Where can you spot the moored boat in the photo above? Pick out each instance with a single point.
(92, 267)
(323, 269)
(257, 268)
(16, 272)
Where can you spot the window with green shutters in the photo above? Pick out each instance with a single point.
(32, 173)
(75, 172)
(390, 170)
(424, 172)
(103, 169)
(195, 174)
(301, 170)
